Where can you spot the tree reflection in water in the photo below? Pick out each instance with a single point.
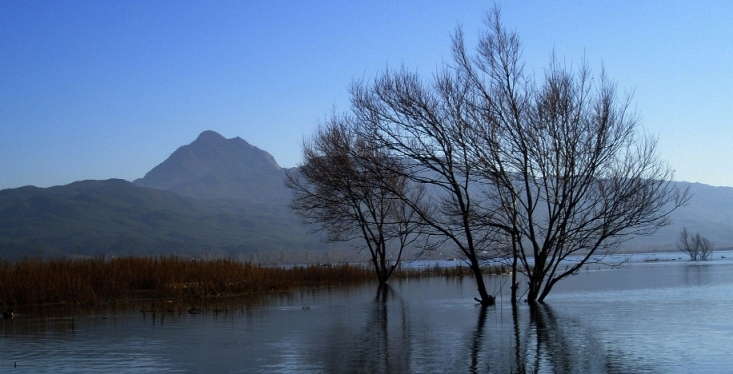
(697, 275)
(559, 345)
(393, 338)
(381, 345)
(478, 338)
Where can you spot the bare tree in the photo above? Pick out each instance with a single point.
(686, 244)
(706, 247)
(556, 170)
(563, 159)
(419, 123)
(696, 246)
(347, 188)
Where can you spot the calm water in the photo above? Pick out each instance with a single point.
(655, 317)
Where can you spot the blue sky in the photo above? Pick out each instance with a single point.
(109, 89)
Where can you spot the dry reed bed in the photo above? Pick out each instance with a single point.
(92, 281)
(98, 280)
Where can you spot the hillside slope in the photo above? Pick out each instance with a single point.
(115, 217)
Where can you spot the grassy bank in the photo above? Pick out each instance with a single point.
(97, 281)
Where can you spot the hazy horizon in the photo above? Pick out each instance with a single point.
(282, 167)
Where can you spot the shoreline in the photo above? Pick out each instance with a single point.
(90, 282)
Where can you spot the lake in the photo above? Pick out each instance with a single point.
(647, 316)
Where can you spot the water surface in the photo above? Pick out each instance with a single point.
(655, 317)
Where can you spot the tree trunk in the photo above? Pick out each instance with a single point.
(380, 273)
(515, 284)
(486, 299)
(546, 291)
(533, 289)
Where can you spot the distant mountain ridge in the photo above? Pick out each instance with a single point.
(225, 197)
(215, 196)
(709, 212)
(115, 217)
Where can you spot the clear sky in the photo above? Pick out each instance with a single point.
(109, 89)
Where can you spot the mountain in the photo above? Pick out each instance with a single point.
(709, 212)
(215, 196)
(213, 167)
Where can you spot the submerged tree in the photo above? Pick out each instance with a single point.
(563, 159)
(415, 122)
(347, 187)
(696, 246)
(551, 168)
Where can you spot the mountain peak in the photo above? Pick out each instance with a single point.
(210, 162)
(210, 136)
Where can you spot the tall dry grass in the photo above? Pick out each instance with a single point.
(40, 281)
(98, 280)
